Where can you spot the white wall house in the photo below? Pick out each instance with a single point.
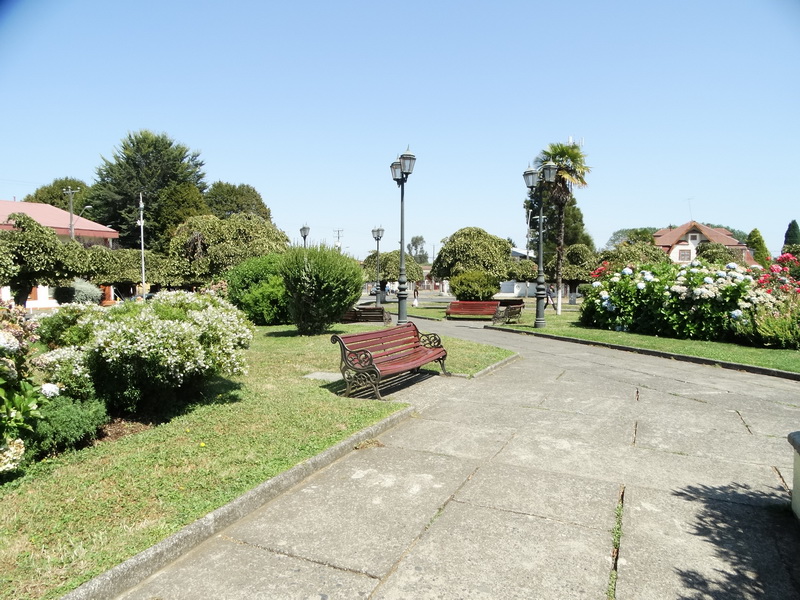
(86, 232)
(681, 243)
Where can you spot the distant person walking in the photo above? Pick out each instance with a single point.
(551, 292)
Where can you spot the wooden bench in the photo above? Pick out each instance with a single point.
(472, 308)
(367, 314)
(508, 314)
(366, 358)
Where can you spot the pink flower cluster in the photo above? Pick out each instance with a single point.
(777, 275)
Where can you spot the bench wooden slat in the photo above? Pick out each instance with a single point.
(367, 357)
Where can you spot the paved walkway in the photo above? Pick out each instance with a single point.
(508, 486)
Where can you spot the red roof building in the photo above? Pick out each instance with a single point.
(86, 231)
(680, 243)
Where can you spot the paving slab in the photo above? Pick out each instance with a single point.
(676, 546)
(474, 552)
(451, 438)
(361, 513)
(225, 568)
(584, 501)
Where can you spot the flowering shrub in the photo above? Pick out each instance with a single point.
(19, 397)
(699, 301)
(139, 355)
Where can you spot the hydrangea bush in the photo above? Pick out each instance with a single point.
(698, 301)
(140, 355)
(20, 398)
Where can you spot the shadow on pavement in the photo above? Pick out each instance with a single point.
(755, 533)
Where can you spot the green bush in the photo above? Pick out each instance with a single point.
(80, 292)
(256, 287)
(474, 285)
(65, 423)
(64, 327)
(267, 303)
(322, 284)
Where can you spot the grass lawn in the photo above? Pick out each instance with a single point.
(76, 515)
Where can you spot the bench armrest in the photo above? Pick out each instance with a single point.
(430, 340)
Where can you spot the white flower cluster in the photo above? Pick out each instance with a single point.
(11, 455)
(9, 344)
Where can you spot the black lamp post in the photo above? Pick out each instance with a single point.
(377, 234)
(304, 231)
(401, 169)
(532, 178)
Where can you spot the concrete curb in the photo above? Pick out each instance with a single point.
(133, 571)
(682, 357)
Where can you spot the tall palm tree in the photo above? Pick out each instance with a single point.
(572, 169)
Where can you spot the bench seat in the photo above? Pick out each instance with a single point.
(368, 357)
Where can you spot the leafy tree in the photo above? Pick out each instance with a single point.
(792, 235)
(574, 228)
(755, 242)
(416, 249)
(715, 253)
(522, 270)
(179, 202)
(150, 164)
(226, 199)
(579, 261)
(472, 249)
(633, 235)
(207, 246)
(390, 268)
(572, 170)
(53, 194)
(636, 253)
(37, 256)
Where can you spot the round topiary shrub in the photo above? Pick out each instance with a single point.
(474, 285)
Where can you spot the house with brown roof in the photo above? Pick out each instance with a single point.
(85, 231)
(681, 243)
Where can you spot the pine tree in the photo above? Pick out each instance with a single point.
(755, 241)
(792, 236)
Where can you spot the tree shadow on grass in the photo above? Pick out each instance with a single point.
(388, 386)
(755, 533)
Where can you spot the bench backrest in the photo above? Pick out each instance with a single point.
(474, 304)
(391, 343)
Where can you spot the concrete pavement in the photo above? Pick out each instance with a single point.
(511, 485)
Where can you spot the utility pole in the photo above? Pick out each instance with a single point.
(140, 223)
(338, 233)
(68, 191)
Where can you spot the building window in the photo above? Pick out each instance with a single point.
(684, 255)
(692, 237)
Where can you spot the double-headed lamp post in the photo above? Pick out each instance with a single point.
(377, 234)
(532, 178)
(401, 169)
(304, 231)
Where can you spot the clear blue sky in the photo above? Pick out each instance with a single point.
(688, 109)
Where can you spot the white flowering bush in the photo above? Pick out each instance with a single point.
(698, 301)
(140, 355)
